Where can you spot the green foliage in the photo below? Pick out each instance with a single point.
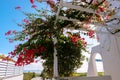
(69, 57)
(33, 75)
(29, 76)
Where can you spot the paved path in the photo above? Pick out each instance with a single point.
(37, 78)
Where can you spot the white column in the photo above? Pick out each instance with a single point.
(92, 69)
(55, 59)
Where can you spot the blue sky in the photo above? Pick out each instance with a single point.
(8, 16)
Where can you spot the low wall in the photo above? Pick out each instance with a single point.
(87, 78)
(8, 71)
(19, 77)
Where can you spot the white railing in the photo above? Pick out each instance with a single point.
(8, 69)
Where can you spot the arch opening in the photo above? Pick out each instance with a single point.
(99, 64)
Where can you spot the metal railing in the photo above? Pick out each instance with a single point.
(8, 69)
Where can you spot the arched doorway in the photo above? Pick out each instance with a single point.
(99, 64)
(95, 65)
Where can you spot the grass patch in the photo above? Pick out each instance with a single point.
(100, 73)
(85, 74)
(30, 75)
(79, 74)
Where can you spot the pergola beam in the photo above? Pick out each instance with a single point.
(69, 5)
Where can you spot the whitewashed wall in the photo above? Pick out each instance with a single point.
(8, 71)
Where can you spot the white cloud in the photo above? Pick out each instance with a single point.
(34, 66)
(84, 67)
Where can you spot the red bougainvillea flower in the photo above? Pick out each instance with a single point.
(18, 7)
(101, 9)
(34, 6)
(27, 38)
(26, 21)
(74, 39)
(12, 54)
(14, 32)
(8, 33)
(84, 43)
(52, 4)
(41, 49)
(36, 61)
(32, 1)
(26, 56)
(90, 33)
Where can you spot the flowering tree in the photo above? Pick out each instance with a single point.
(39, 31)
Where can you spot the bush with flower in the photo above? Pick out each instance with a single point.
(38, 33)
